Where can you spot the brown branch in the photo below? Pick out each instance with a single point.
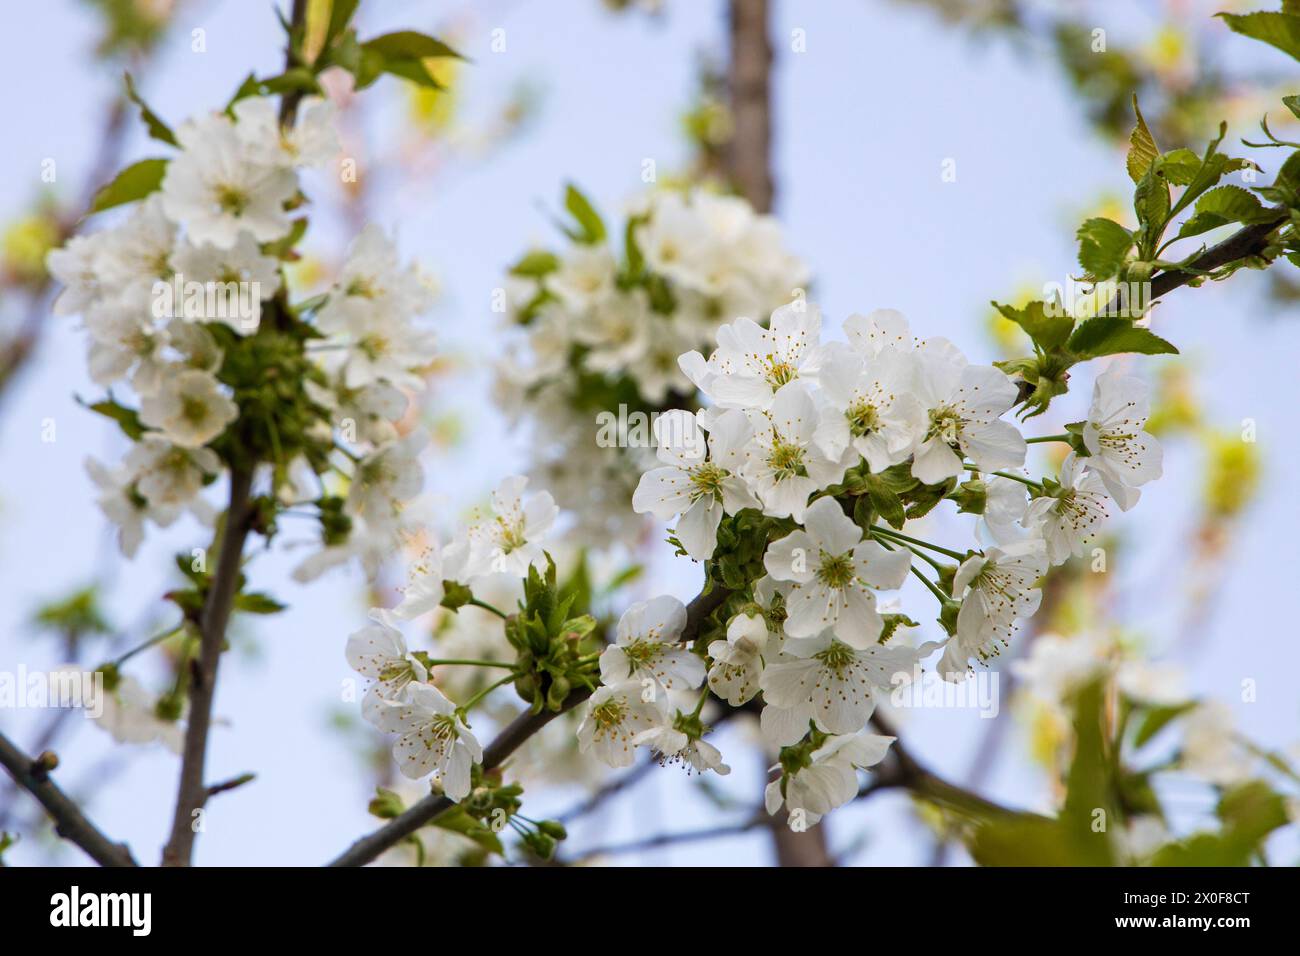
(904, 771)
(524, 726)
(749, 83)
(192, 793)
(69, 822)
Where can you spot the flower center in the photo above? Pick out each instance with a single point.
(707, 480)
(786, 459)
(193, 410)
(863, 419)
(836, 570)
(609, 714)
(836, 657)
(511, 536)
(780, 373)
(945, 424)
(231, 200)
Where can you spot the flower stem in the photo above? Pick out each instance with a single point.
(1047, 438)
(934, 588)
(924, 557)
(469, 704)
(1006, 474)
(877, 529)
(440, 661)
(487, 607)
(156, 639)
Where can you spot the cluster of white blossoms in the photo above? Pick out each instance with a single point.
(433, 736)
(794, 431)
(790, 419)
(184, 281)
(602, 332)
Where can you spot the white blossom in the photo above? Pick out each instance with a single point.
(616, 715)
(877, 415)
(784, 464)
(738, 660)
(433, 738)
(830, 780)
(647, 647)
(831, 572)
(831, 683)
(996, 589)
(963, 403)
(218, 189)
(1067, 519)
(189, 408)
(509, 541)
(1122, 453)
(379, 652)
(698, 483)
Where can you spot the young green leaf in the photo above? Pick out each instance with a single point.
(589, 221)
(1221, 206)
(157, 128)
(1104, 335)
(1281, 30)
(131, 184)
(1142, 150)
(1048, 328)
(1103, 246)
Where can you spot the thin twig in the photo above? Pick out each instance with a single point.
(69, 822)
(758, 819)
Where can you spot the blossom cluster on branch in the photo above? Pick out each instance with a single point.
(599, 333)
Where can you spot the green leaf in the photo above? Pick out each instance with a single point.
(1281, 30)
(1048, 329)
(299, 80)
(924, 498)
(254, 602)
(1293, 104)
(131, 184)
(1249, 813)
(1157, 719)
(1103, 246)
(536, 264)
(410, 45)
(341, 12)
(400, 54)
(1221, 206)
(127, 418)
(1142, 150)
(886, 503)
(592, 226)
(157, 128)
(1180, 166)
(1104, 335)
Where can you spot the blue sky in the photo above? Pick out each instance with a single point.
(864, 120)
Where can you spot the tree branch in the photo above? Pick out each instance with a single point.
(192, 793)
(69, 822)
(749, 83)
(905, 772)
(369, 847)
